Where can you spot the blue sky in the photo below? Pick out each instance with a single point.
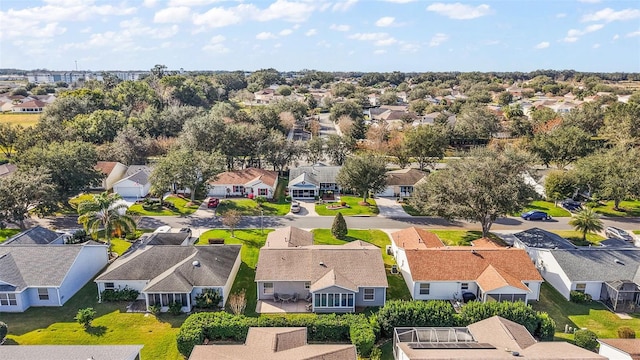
(339, 35)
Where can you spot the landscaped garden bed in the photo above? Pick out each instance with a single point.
(348, 206)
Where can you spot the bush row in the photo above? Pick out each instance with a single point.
(579, 297)
(125, 294)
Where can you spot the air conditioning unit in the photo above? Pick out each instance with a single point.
(389, 250)
(394, 269)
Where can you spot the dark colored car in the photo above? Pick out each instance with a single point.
(535, 215)
(617, 233)
(571, 205)
(213, 203)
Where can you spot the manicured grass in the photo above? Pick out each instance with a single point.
(119, 246)
(462, 237)
(627, 209)
(7, 233)
(112, 326)
(546, 206)
(178, 202)
(354, 207)
(412, 210)
(26, 120)
(249, 207)
(593, 316)
(75, 201)
(576, 237)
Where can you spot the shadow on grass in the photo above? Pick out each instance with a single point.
(245, 280)
(96, 330)
(560, 309)
(8, 341)
(174, 320)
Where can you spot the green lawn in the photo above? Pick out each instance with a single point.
(249, 207)
(462, 237)
(546, 206)
(593, 316)
(7, 233)
(112, 326)
(25, 120)
(627, 209)
(412, 210)
(119, 246)
(576, 237)
(178, 202)
(354, 207)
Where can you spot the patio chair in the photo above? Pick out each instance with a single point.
(308, 298)
(294, 298)
(276, 297)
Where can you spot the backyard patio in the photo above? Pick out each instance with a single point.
(278, 307)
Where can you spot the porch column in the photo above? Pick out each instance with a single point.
(189, 301)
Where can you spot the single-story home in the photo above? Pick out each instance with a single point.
(35, 275)
(259, 182)
(335, 278)
(37, 235)
(113, 171)
(71, 352)
(620, 349)
(135, 184)
(611, 275)
(275, 343)
(307, 182)
(289, 236)
(536, 238)
(32, 106)
(489, 339)
(164, 274)
(400, 183)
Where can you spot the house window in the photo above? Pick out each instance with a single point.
(464, 286)
(43, 294)
(307, 285)
(267, 288)
(333, 300)
(109, 286)
(369, 294)
(238, 189)
(425, 289)
(581, 287)
(262, 192)
(8, 299)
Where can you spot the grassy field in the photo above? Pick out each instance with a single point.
(183, 207)
(576, 237)
(462, 237)
(546, 206)
(112, 326)
(26, 120)
(627, 209)
(249, 207)
(354, 207)
(7, 233)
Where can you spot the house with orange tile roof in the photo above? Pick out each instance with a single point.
(246, 182)
(113, 172)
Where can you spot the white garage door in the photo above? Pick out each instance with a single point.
(126, 191)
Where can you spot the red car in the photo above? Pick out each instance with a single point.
(213, 203)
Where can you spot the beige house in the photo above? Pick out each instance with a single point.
(400, 183)
(246, 182)
(113, 172)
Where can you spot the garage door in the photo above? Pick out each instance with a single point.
(127, 191)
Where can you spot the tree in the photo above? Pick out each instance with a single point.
(3, 331)
(397, 147)
(85, 316)
(586, 339)
(98, 127)
(561, 146)
(427, 144)
(482, 187)
(365, 174)
(476, 122)
(23, 191)
(315, 149)
(105, 212)
(338, 147)
(129, 147)
(586, 221)
(339, 228)
(9, 135)
(622, 124)
(505, 98)
(279, 151)
(238, 302)
(346, 108)
(560, 184)
(231, 219)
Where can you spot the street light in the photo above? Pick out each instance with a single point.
(261, 223)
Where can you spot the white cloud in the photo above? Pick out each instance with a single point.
(574, 34)
(86, 30)
(385, 21)
(311, 32)
(380, 52)
(172, 15)
(216, 45)
(542, 45)
(288, 11)
(265, 35)
(633, 34)
(378, 39)
(409, 47)
(561, 15)
(149, 3)
(344, 5)
(340, 27)
(460, 11)
(324, 44)
(279, 10)
(220, 17)
(438, 39)
(609, 15)
(595, 46)
(616, 37)
(191, 3)
(285, 32)
(400, 1)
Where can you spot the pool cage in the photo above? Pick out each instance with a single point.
(621, 295)
(435, 338)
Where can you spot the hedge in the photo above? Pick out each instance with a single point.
(125, 294)
(418, 313)
(579, 297)
(586, 339)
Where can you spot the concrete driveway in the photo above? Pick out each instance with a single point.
(390, 208)
(307, 208)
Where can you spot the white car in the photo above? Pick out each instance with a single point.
(617, 233)
(295, 207)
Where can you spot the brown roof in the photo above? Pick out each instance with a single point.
(485, 243)
(404, 176)
(629, 346)
(289, 237)
(489, 266)
(275, 343)
(414, 238)
(241, 177)
(31, 104)
(355, 264)
(105, 167)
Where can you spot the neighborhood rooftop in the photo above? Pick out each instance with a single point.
(289, 237)
(35, 236)
(415, 238)
(543, 239)
(70, 352)
(600, 264)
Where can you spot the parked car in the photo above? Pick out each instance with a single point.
(295, 207)
(571, 205)
(535, 215)
(213, 203)
(616, 233)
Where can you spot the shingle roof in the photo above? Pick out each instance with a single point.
(414, 238)
(176, 238)
(31, 104)
(629, 346)
(132, 169)
(35, 236)
(616, 243)
(289, 237)
(485, 243)
(320, 172)
(141, 177)
(502, 333)
(404, 177)
(240, 177)
(593, 264)
(70, 352)
(106, 167)
(359, 264)
(304, 178)
(543, 239)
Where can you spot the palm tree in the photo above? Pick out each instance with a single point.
(586, 221)
(104, 212)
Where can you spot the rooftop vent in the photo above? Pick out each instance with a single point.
(195, 263)
(617, 261)
(321, 263)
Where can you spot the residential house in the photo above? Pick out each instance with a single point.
(289, 237)
(246, 182)
(307, 182)
(71, 352)
(36, 275)
(164, 274)
(611, 275)
(489, 339)
(6, 105)
(113, 172)
(275, 343)
(7, 169)
(400, 183)
(620, 349)
(536, 238)
(136, 183)
(433, 271)
(334, 278)
(32, 106)
(37, 235)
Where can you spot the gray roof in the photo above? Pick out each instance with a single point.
(31, 265)
(141, 177)
(599, 264)
(69, 352)
(543, 239)
(34, 236)
(132, 169)
(289, 236)
(169, 268)
(616, 243)
(320, 172)
(167, 238)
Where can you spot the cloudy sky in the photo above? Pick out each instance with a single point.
(331, 35)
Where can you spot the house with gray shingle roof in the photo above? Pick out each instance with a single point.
(401, 182)
(164, 274)
(36, 275)
(37, 236)
(71, 352)
(307, 182)
(135, 184)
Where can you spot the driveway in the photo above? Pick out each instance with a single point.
(307, 208)
(390, 208)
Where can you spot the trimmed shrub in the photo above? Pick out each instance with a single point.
(3, 331)
(175, 308)
(518, 312)
(209, 299)
(415, 313)
(154, 309)
(362, 336)
(85, 317)
(579, 297)
(586, 339)
(125, 294)
(339, 228)
(624, 332)
(547, 327)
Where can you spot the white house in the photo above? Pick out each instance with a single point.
(49, 275)
(164, 274)
(307, 182)
(32, 106)
(400, 183)
(113, 172)
(246, 182)
(136, 184)
(620, 349)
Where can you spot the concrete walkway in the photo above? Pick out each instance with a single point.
(390, 208)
